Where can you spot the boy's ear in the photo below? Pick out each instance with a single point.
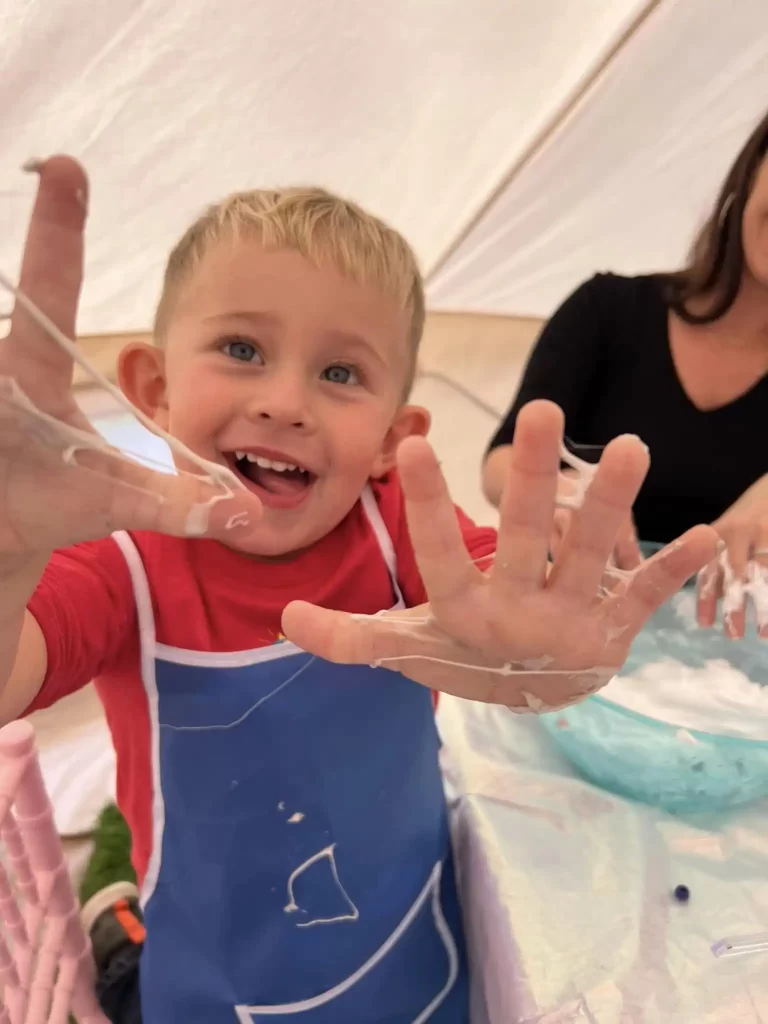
(409, 421)
(141, 375)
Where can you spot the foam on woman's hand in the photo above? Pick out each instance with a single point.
(735, 589)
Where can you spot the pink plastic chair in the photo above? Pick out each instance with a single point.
(46, 967)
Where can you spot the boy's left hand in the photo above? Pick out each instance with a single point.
(522, 634)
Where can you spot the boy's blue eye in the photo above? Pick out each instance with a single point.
(240, 349)
(340, 374)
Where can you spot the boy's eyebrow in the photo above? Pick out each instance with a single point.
(246, 314)
(348, 340)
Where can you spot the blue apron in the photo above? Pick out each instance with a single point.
(301, 863)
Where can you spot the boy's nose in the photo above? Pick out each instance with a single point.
(284, 403)
(280, 417)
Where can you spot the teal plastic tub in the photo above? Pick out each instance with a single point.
(663, 765)
(678, 769)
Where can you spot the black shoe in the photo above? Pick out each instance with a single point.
(114, 923)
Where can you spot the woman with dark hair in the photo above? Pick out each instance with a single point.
(681, 360)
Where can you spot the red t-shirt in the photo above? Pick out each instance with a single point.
(205, 597)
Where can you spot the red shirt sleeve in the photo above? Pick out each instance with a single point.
(85, 608)
(479, 540)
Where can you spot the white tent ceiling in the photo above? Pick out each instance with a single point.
(625, 180)
(419, 109)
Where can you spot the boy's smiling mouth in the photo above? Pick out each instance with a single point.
(277, 479)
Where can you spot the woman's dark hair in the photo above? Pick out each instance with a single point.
(716, 261)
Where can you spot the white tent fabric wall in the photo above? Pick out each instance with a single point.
(624, 182)
(414, 108)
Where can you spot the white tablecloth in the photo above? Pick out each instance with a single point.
(568, 890)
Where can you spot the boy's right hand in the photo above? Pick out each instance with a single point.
(47, 501)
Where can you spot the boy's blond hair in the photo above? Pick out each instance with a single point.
(322, 227)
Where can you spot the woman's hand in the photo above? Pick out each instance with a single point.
(741, 569)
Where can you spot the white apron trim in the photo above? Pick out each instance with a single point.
(225, 659)
(245, 1014)
(146, 620)
(152, 651)
(387, 548)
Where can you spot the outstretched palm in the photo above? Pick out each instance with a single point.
(523, 634)
(59, 482)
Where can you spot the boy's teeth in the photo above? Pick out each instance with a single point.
(278, 467)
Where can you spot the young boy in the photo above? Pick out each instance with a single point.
(288, 820)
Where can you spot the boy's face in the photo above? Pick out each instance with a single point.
(291, 375)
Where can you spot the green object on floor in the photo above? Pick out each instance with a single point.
(111, 858)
